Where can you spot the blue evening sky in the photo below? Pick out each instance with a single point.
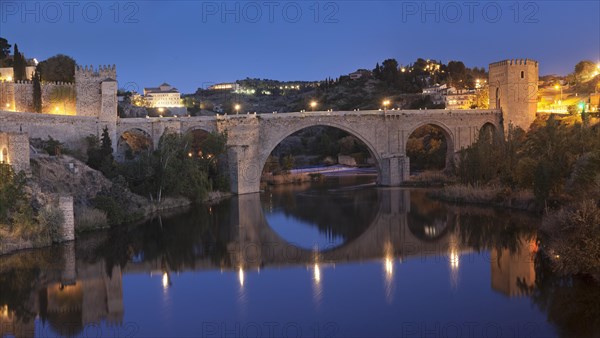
(193, 44)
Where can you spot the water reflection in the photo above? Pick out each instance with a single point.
(72, 286)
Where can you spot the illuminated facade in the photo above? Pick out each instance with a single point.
(164, 96)
(461, 99)
(225, 86)
(8, 74)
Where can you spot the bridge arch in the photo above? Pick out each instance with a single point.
(446, 132)
(274, 140)
(195, 128)
(197, 137)
(489, 131)
(133, 141)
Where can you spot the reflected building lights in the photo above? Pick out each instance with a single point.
(165, 281)
(454, 260)
(388, 269)
(317, 286)
(4, 311)
(241, 276)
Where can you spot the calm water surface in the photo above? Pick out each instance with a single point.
(336, 258)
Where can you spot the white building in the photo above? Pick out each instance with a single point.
(460, 99)
(437, 93)
(359, 74)
(225, 86)
(164, 96)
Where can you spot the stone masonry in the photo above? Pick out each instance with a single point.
(513, 87)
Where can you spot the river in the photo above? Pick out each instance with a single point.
(339, 258)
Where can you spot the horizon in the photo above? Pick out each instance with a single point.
(215, 42)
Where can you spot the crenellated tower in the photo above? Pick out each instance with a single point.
(90, 94)
(513, 87)
(97, 95)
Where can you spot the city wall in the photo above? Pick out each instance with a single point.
(57, 97)
(71, 130)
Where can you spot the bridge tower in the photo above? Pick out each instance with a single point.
(513, 87)
(97, 96)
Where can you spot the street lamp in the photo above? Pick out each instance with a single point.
(386, 103)
(557, 87)
(313, 104)
(237, 108)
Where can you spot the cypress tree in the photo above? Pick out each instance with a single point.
(19, 65)
(106, 146)
(37, 92)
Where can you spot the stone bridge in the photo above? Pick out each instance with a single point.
(252, 137)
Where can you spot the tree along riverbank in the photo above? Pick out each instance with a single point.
(105, 193)
(552, 169)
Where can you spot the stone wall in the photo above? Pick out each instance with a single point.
(14, 150)
(71, 130)
(8, 73)
(65, 204)
(88, 84)
(57, 97)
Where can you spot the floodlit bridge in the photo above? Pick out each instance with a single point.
(252, 137)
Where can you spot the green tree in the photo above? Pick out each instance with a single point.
(13, 201)
(100, 154)
(389, 72)
(37, 92)
(106, 142)
(377, 71)
(288, 163)
(59, 68)
(4, 49)
(19, 65)
(457, 73)
(481, 99)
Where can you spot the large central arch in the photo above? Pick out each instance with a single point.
(273, 140)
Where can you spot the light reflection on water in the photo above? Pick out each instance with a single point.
(333, 258)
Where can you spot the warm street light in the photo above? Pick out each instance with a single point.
(237, 108)
(386, 103)
(313, 104)
(557, 87)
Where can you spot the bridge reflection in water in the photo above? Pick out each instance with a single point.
(73, 286)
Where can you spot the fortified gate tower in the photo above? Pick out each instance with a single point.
(513, 87)
(97, 95)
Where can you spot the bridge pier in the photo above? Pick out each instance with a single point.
(244, 169)
(394, 170)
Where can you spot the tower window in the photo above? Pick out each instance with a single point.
(522, 74)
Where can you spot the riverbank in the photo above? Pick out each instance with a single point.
(53, 176)
(487, 196)
(302, 175)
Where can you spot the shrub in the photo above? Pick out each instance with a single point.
(88, 219)
(52, 219)
(573, 239)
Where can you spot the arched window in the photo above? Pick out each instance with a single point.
(522, 74)
(4, 155)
